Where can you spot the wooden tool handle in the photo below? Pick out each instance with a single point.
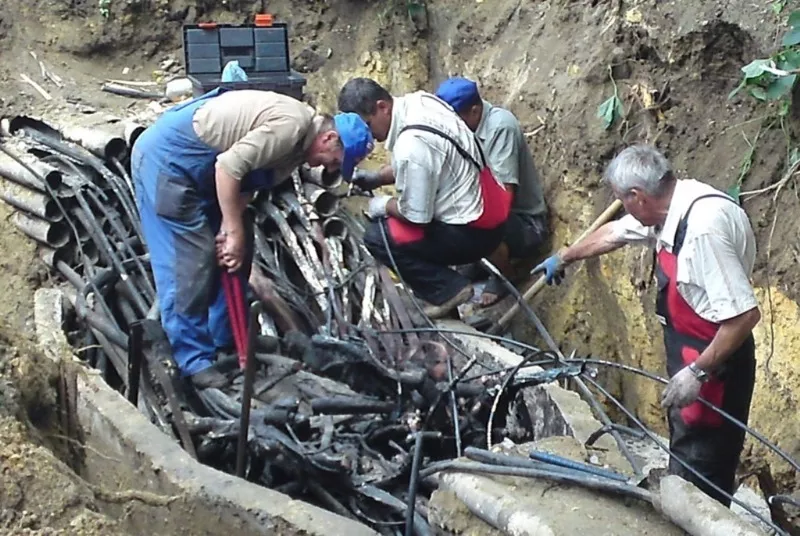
(534, 289)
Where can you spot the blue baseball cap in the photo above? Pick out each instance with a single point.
(458, 92)
(356, 139)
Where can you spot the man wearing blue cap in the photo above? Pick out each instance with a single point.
(510, 159)
(194, 171)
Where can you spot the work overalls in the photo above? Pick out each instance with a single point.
(700, 436)
(174, 179)
(423, 253)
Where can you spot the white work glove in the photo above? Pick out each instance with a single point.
(377, 206)
(682, 389)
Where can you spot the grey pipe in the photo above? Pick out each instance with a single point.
(52, 256)
(325, 203)
(320, 177)
(131, 132)
(54, 235)
(16, 173)
(31, 201)
(334, 228)
(98, 141)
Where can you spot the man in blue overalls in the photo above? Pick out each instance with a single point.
(194, 172)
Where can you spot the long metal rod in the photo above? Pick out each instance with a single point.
(135, 352)
(247, 390)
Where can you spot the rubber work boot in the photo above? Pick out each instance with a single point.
(438, 311)
(209, 378)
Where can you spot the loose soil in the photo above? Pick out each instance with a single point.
(551, 62)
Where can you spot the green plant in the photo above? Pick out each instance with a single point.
(778, 5)
(104, 6)
(773, 78)
(611, 109)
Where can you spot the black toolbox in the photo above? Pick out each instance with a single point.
(262, 50)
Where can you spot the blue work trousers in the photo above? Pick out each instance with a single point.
(180, 229)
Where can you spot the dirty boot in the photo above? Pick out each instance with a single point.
(438, 311)
(209, 378)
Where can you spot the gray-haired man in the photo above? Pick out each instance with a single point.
(705, 251)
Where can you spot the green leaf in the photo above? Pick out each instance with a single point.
(755, 68)
(737, 89)
(607, 111)
(789, 60)
(780, 87)
(792, 37)
(778, 6)
(734, 192)
(759, 93)
(794, 19)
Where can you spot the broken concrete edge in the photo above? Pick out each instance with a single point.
(698, 514)
(113, 429)
(558, 412)
(107, 418)
(555, 411)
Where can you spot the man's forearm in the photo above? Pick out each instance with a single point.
(386, 175)
(393, 210)
(229, 197)
(730, 336)
(599, 242)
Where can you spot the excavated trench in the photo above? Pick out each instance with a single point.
(681, 54)
(352, 407)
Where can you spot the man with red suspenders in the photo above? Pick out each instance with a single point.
(449, 209)
(705, 250)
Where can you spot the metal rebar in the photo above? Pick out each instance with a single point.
(247, 390)
(135, 351)
(413, 481)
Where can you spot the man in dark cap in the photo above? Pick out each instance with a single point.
(510, 158)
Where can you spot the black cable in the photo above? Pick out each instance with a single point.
(774, 448)
(471, 360)
(678, 459)
(582, 389)
(528, 347)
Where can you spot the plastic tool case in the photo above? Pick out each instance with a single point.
(262, 50)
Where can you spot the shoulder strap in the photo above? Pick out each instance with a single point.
(463, 152)
(680, 232)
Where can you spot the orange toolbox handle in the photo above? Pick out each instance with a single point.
(263, 19)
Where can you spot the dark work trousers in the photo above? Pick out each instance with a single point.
(424, 264)
(714, 450)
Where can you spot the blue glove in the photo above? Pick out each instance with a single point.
(553, 269)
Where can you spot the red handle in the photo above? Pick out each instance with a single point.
(234, 298)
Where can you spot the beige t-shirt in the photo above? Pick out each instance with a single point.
(257, 130)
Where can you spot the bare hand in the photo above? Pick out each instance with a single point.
(230, 245)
